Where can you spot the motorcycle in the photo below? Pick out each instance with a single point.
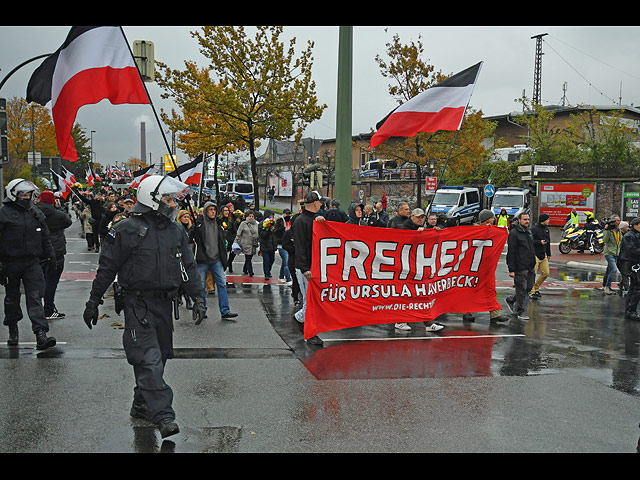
(575, 238)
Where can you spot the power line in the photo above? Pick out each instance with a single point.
(583, 77)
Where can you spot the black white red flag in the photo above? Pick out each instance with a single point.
(139, 175)
(440, 107)
(93, 64)
(190, 173)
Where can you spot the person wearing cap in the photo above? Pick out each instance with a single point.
(630, 256)
(415, 222)
(302, 237)
(521, 260)
(542, 247)
(486, 217)
(57, 221)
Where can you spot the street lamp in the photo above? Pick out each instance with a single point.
(91, 156)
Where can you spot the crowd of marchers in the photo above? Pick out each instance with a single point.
(157, 252)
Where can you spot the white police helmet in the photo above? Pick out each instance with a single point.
(19, 186)
(158, 193)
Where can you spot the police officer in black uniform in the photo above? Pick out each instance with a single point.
(149, 251)
(25, 243)
(630, 257)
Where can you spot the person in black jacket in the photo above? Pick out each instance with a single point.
(630, 256)
(25, 242)
(288, 245)
(521, 261)
(211, 255)
(302, 236)
(283, 224)
(96, 202)
(335, 213)
(57, 221)
(150, 254)
(268, 246)
(542, 247)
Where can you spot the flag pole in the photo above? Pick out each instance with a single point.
(150, 102)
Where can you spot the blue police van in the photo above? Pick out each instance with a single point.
(514, 200)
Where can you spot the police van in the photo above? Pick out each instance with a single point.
(458, 204)
(514, 200)
(241, 188)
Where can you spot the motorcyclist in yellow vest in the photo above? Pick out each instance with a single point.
(503, 219)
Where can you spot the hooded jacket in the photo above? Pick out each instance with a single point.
(198, 235)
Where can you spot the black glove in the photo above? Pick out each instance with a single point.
(3, 275)
(90, 314)
(199, 310)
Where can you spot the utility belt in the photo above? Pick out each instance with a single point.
(159, 294)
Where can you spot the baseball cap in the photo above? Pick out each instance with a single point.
(313, 196)
(417, 212)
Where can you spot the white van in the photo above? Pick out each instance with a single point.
(241, 188)
(513, 199)
(458, 204)
(370, 169)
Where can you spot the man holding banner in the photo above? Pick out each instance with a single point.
(303, 230)
(367, 276)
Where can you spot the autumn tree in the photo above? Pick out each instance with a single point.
(411, 75)
(253, 89)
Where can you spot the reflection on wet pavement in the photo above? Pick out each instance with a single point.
(578, 329)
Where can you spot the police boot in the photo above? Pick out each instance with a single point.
(42, 341)
(12, 341)
(168, 427)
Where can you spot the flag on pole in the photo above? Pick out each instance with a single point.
(68, 176)
(93, 64)
(90, 176)
(440, 107)
(140, 175)
(62, 185)
(190, 173)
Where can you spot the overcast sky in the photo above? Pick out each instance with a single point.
(598, 64)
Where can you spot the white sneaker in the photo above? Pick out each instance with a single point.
(434, 327)
(403, 326)
(289, 283)
(523, 316)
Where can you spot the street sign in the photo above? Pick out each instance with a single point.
(489, 190)
(431, 184)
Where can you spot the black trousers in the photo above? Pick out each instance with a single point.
(29, 273)
(148, 344)
(633, 295)
(51, 279)
(523, 282)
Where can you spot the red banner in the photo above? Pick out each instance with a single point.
(370, 275)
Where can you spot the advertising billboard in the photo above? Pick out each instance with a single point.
(558, 199)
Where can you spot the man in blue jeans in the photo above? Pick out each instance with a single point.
(211, 255)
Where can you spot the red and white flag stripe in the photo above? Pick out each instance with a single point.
(440, 107)
(93, 64)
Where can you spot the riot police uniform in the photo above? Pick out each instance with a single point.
(150, 254)
(24, 243)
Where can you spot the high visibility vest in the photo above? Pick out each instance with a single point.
(574, 219)
(503, 221)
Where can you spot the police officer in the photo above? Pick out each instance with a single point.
(630, 255)
(150, 254)
(25, 243)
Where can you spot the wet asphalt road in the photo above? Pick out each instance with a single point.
(565, 381)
